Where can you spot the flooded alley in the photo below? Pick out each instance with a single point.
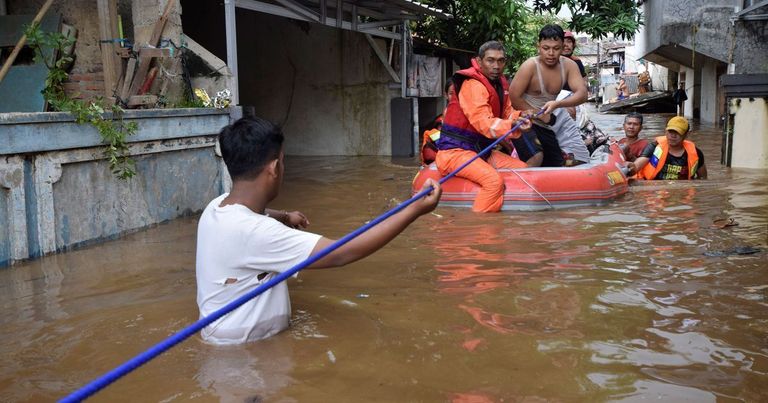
(647, 298)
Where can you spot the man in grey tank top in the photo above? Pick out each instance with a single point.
(557, 140)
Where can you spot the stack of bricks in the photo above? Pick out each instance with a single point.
(86, 86)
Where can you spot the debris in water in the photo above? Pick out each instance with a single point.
(726, 222)
(331, 357)
(739, 250)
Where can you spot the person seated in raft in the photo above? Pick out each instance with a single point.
(430, 136)
(536, 86)
(569, 47)
(432, 132)
(478, 114)
(672, 156)
(242, 244)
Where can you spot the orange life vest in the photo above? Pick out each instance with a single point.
(457, 131)
(659, 158)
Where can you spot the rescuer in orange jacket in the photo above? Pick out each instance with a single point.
(671, 157)
(478, 114)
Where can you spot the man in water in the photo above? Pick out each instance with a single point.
(241, 244)
(478, 114)
(632, 145)
(672, 156)
(535, 86)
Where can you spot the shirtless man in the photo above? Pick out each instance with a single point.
(535, 86)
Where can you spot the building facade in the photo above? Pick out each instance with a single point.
(702, 40)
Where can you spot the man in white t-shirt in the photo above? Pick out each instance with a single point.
(242, 244)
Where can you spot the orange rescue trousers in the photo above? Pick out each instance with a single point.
(491, 195)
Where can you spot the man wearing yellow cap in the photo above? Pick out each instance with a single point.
(671, 157)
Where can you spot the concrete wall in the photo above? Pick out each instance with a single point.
(750, 141)
(751, 54)
(324, 85)
(56, 190)
(702, 25)
(673, 29)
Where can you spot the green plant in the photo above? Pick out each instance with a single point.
(474, 22)
(598, 18)
(113, 130)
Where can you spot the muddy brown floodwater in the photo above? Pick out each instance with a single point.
(643, 299)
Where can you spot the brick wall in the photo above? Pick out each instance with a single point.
(85, 85)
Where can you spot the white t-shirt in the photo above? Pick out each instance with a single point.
(234, 246)
(569, 136)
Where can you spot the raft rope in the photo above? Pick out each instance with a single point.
(533, 188)
(159, 348)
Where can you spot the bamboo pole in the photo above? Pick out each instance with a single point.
(111, 63)
(23, 40)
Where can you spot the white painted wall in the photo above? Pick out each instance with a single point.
(659, 77)
(690, 91)
(750, 142)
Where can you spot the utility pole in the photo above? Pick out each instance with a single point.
(599, 76)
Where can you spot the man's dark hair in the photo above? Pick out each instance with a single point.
(248, 145)
(634, 115)
(551, 31)
(490, 45)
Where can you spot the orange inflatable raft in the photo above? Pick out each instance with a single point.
(597, 183)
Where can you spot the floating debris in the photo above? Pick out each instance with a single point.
(724, 222)
(739, 250)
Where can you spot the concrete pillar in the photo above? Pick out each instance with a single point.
(12, 178)
(708, 92)
(47, 172)
(690, 91)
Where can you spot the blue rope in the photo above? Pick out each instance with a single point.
(159, 348)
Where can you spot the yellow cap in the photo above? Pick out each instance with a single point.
(678, 124)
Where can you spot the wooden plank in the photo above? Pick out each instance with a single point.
(139, 100)
(144, 62)
(124, 53)
(114, 20)
(155, 52)
(128, 78)
(109, 59)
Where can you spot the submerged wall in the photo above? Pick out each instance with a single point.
(57, 192)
